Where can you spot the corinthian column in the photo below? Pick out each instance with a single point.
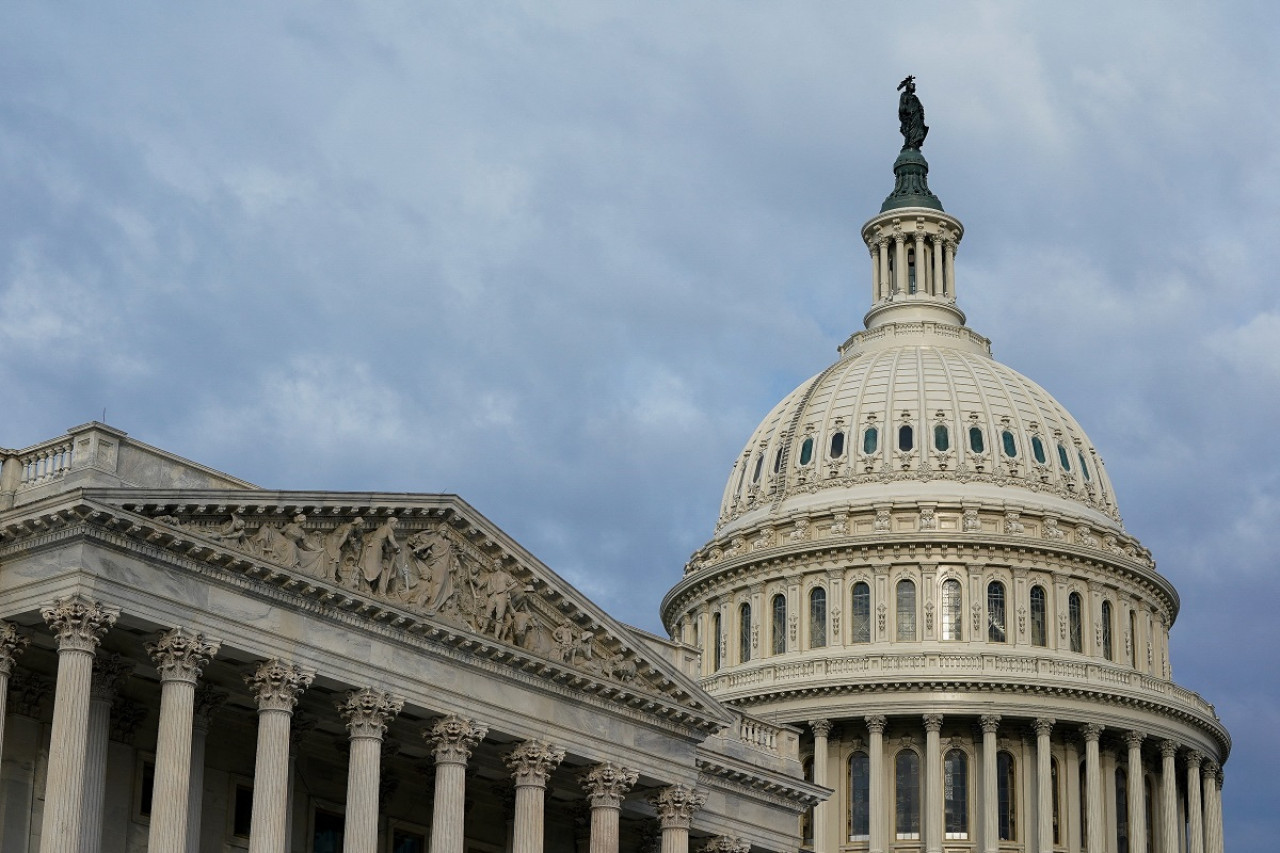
(1093, 785)
(1168, 795)
(1137, 793)
(990, 794)
(606, 784)
(12, 644)
(1195, 817)
(207, 701)
(875, 770)
(1044, 785)
(366, 713)
(276, 686)
(821, 731)
(675, 807)
(531, 763)
(932, 783)
(1216, 841)
(1209, 782)
(79, 625)
(181, 656)
(109, 672)
(453, 738)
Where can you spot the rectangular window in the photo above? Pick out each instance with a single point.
(241, 809)
(144, 782)
(326, 830)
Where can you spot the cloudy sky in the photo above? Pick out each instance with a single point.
(560, 258)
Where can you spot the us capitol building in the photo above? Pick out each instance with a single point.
(920, 626)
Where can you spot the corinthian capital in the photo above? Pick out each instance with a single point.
(276, 684)
(876, 723)
(532, 762)
(990, 723)
(454, 737)
(1092, 732)
(109, 673)
(933, 722)
(367, 712)
(606, 784)
(79, 623)
(727, 844)
(12, 644)
(181, 655)
(676, 805)
(1043, 725)
(821, 728)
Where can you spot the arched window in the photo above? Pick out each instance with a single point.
(955, 795)
(996, 632)
(906, 610)
(817, 618)
(718, 639)
(806, 451)
(1056, 799)
(976, 442)
(1006, 797)
(906, 438)
(907, 799)
(778, 634)
(744, 633)
(1039, 617)
(837, 445)
(862, 612)
(1010, 446)
(952, 610)
(859, 797)
(1037, 449)
(870, 440)
(941, 438)
(1122, 811)
(1108, 650)
(1133, 639)
(1075, 618)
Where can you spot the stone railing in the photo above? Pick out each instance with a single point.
(759, 734)
(44, 463)
(784, 675)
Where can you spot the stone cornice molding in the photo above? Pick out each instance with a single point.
(78, 623)
(12, 644)
(181, 655)
(453, 738)
(109, 673)
(277, 685)
(531, 763)
(779, 790)
(607, 784)
(644, 688)
(677, 804)
(366, 712)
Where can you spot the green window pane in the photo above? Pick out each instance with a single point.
(837, 445)
(1037, 449)
(870, 439)
(976, 442)
(941, 438)
(1010, 447)
(1063, 458)
(806, 452)
(906, 438)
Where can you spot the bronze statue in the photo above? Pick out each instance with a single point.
(911, 115)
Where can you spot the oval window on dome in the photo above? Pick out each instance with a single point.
(870, 440)
(976, 442)
(1063, 458)
(837, 445)
(1084, 466)
(941, 438)
(906, 438)
(1037, 449)
(777, 461)
(755, 475)
(806, 452)
(1010, 446)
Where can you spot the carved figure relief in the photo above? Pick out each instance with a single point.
(1051, 529)
(801, 530)
(971, 523)
(1013, 523)
(882, 522)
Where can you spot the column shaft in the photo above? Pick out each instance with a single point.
(899, 264)
(884, 288)
(529, 829)
(95, 775)
(447, 812)
(1195, 809)
(270, 783)
(921, 270)
(876, 795)
(933, 784)
(169, 802)
(604, 829)
(821, 730)
(1093, 787)
(1044, 787)
(876, 286)
(360, 833)
(195, 788)
(1137, 795)
(990, 793)
(939, 286)
(1168, 797)
(64, 788)
(951, 269)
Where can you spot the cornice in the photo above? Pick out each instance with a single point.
(780, 790)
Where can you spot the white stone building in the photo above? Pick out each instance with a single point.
(920, 559)
(919, 596)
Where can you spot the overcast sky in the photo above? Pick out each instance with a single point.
(561, 258)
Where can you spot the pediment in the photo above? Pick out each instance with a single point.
(429, 563)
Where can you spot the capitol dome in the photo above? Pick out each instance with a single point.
(919, 563)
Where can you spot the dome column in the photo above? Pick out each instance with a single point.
(1137, 798)
(939, 287)
(875, 767)
(990, 795)
(1195, 816)
(899, 263)
(922, 278)
(1044, 784)
(933, 783)
(1168, 794)
(1093, 786)
(821, 812)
